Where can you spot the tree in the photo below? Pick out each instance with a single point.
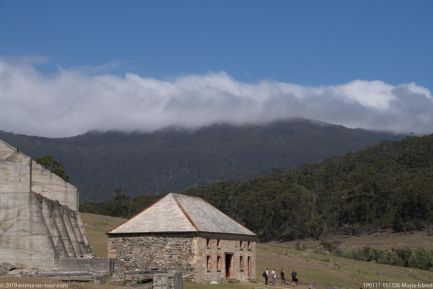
(53, 165)
(122, 203)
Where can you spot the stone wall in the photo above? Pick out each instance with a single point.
(195, 256)
(209, 248)
(161, 252)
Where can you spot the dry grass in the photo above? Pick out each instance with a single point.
(29, 282)
(326, 271)
(96, 226)
(323, 271)
(378, 240)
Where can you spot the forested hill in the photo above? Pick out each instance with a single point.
(175, 159)
(389, 185)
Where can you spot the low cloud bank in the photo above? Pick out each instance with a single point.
(71, 102)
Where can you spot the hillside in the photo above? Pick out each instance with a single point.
(389, 185)
(386, 186)
(383, 239)
(324, 271)
(176, 159)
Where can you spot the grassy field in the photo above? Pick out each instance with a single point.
(96, 226)
(29, 282)
(323, 271)
(377, 240)
(326, 271)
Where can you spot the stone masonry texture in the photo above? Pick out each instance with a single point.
(200, 258)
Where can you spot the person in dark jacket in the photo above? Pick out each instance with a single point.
(283, 277)
(266, 276)
(295, 277)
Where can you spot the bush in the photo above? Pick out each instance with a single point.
(365, 254)
(390, 257)
(300, 246)
(414, 258)
(404, 255)
(328, 247)
(421, 259)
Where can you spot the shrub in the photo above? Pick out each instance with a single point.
(300, 246)
(389, 257)
(421, 259)
(414, 258)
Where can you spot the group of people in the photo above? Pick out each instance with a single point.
(273, 276)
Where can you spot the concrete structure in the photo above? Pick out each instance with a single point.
(185, 234)
(158, 280)
(39, 219)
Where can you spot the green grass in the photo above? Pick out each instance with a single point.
(323, 271)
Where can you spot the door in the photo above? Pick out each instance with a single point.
(249, 266)
(229, 265)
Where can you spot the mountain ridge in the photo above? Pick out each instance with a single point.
(382, 187)
(174, 159)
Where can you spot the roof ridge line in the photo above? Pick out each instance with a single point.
(136, 215)
(185, 213)
(237, 222)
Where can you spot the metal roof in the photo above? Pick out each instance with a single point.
(181, 214)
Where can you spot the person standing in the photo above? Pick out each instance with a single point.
(295, 277)
(274, 276)
(283, 277)
(266, 276)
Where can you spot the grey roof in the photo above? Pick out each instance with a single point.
(181, 213)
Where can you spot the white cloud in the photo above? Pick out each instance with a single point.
(72, 101)
(371, 94)
(413, 87)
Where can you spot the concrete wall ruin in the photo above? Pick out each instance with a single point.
(39, 218)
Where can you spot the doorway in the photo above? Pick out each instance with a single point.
(249, 266)
(229, 264)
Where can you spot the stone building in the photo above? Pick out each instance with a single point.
(39, 219)
(186, 234)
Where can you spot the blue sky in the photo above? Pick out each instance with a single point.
(305, 42)
(67, 67)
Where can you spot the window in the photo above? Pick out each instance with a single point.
(218, 243)
(208, 263)
(249, 245)
(219, 263)
(208, 242)
(241, 263)
(241, 244)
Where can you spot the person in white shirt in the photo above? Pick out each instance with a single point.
(273, 276)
